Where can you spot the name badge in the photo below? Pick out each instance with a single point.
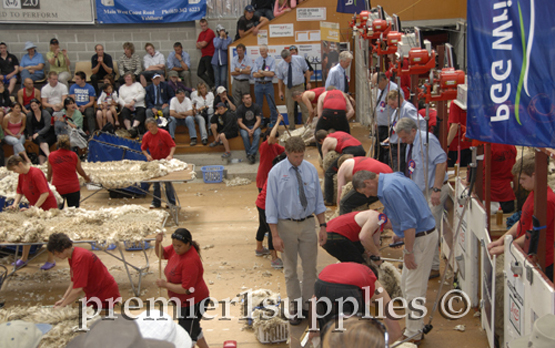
(411, 166)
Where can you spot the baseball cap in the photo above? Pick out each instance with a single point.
(220, 104)
(249, 8)
(220, 89)
(54, 42)
(219, 28)
(21, 334)
(293, 47)
(156, 76)
(173, 73)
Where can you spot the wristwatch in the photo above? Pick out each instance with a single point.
(435, 189)
(324, 225)
(406, 252)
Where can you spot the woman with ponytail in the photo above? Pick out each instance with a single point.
(184, 274)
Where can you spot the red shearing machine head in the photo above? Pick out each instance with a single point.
(420, 59)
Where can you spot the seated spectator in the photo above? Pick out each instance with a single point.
(154, 64)
(32, 64)
(39, 130)
(84, 96)
(203, 107)
(5, 101)
(284, 6)
(222, 96)
(26, 94)
(181, 109)
(206, 46)
(69, 116)
(9, 67)
(525, 170)
(107, 103)
(224, 127)
(219, 59)
(53, 93)
(13, 126)
(158, 96)
(180, 61)
(110, 80)
(59, 62)
(263, 8)
(175, 83)
(249, 23)
(132, 102)
(102, 65)
(249, 119)
(129, 62)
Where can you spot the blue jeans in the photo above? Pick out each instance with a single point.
(37, 75)
(251, 148)
(220, 75)
(261, 90)
(170, 193)
(265, 12)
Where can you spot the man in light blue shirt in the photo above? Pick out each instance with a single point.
(180, 61)
(263, 71)
(293, 197)
(292, 72)
(337, 76)
(412, 221)
(241, 68)
(32, 64)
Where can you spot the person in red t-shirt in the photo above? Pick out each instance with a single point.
(33, 185)
(269, 149)
(457, 120)
(348, 280)
(88, 274)
(62, 165)
(525, 170)
(161, 146)
(503, 159)
(184, 273)
(206, 46)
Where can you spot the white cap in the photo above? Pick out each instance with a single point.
(220, 89)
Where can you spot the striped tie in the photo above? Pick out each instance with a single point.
(302, 195)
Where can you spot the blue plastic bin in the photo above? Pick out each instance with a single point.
(212, 174)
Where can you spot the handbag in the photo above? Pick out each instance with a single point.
(78, 138)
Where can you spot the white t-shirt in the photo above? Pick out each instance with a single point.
(176, 106)
(54, 95)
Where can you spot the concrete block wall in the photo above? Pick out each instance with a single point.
(80, 40)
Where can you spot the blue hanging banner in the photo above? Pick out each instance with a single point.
(148, 11)
(351, 6)
(511, 72)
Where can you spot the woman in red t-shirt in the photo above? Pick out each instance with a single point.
(62, 165)
(33, 185)
(185, 282)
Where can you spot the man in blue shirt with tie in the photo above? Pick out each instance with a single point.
(158, 96)
(263, 71)
(293, 197)
(412, 221)
(291, 73)
(338, 74)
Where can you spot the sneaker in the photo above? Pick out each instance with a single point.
(133, 132)
(226, 155)
(204, 142)
(414, 341)
(19, 263)
(252, 159)
(216, 143)
(154, 206)
(193, 141)
(434, 274)
(264, 251)
(47, 266)
(277, 263)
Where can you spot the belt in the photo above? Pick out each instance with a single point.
(263, 82)
(241, 80)
(300, 84)
(300, 220)
(422, 234)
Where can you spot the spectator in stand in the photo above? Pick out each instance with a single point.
(102, 66)
(455, 138)
(132, 102)
(284, 6)
(158, 96)
(175, 83)
(39, 130)
(203, 108)
(433, 124)
(53, 93)
(263, 8)
(9, 67)
(5, 101)
(219, 59)
(249, 119)
(223, 97)
(241, 67)
(13, 126)
(263, 71)
(269, 149)
(154, 64)
(224, 127)
(181, 109)
(338, 74)
(249, 23)
(129, 62)
(503, 159)
(291, 72)
(26, 94)
(32, 64)
(206, 46)
(180, 61)
(59, 62)
(107, 103)
(84, 96)
(69, 116)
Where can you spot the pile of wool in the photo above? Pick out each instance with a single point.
(237, 182)
(306, 132)
(264, 319)
(8, 184)
(390, 277)
(129, 223)
(346, 189)
(63, 321)
(119, 174)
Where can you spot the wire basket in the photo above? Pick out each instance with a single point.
(212, 174)
(276, 334)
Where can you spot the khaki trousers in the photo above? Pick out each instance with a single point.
(290, 103)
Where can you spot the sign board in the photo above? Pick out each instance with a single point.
(262, 37)
(329, 31)
(47, 11)
(282, 30)
(311, 13)
(309, 35)
(148, 11)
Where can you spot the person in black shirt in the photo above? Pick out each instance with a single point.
(9, 66)
(249, 118)
(223, 97)
(224, 126)
(249, 23)
(102, 65)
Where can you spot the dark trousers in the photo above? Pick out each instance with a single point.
(383, 155)
(507, 207)
(466, 158)
(332, 170)
(94, 82)
(344, 249)
(205, 70)
(72, 200)
(263, 228)
(138, 114)
(337, 292)
(91, 119)
(190, 318)
(353, 200)
(402, 159)
(332, 119)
